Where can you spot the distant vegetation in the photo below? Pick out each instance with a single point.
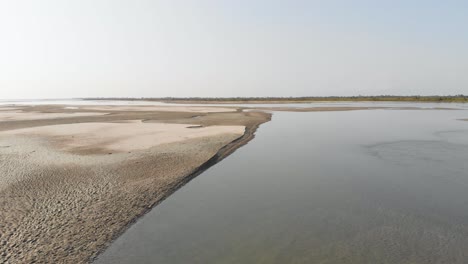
(380, 98)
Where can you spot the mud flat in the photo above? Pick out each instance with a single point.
(73, 178)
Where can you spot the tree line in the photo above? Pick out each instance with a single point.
(384, 98)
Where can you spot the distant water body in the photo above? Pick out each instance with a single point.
(76, 102)
(368, 186)
(313, 104)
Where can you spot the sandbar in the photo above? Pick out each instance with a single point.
(71, 184)
(19, 115)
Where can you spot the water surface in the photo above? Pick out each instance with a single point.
(299, 105)
(379, 186)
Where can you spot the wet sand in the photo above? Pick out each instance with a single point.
(71, 184)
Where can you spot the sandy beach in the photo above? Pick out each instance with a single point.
(74, 178)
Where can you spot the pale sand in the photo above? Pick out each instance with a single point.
(63, 208)
(194, 109)
(123, 136)
(8, 108)
(19, 115)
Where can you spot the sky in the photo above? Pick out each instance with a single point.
(217, 48)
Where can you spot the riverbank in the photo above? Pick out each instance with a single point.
(71, 184)
(75, 177)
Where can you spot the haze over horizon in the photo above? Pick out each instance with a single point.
(207, 48)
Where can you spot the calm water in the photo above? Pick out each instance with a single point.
(149, 103)
(383, 186)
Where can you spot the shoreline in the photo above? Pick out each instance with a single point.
(222, 153)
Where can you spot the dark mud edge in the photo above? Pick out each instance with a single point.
(222, 153)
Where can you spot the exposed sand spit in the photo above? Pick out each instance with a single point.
(63, 210)
(196, 109)
(19, 115)
(60, 206)
(7, 108)
(122, 136)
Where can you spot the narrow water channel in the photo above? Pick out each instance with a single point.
(378, 186)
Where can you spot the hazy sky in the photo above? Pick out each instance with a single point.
(150, 48)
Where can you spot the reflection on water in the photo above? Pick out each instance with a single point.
(326, 187)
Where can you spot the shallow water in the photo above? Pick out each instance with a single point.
(379, 186)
